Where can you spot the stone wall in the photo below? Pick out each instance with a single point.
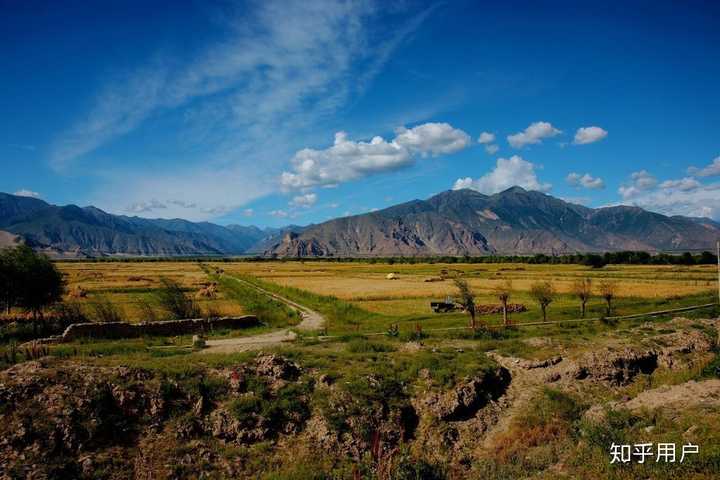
(165, 328)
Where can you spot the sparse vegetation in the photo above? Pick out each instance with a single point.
(175, 301)
(582, 289)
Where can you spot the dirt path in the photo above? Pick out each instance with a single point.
(310, 321)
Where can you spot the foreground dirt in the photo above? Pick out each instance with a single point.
(61, 419)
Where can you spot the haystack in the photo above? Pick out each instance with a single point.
(391, 276)
(208, 291)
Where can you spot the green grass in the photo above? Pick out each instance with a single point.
(271, 312)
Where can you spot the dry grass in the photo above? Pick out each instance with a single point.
(128, 284)
(366, 285)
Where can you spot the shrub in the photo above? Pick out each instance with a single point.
(105, 311)
(174, 300)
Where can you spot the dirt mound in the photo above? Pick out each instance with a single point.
(615, 367)
(690, 394)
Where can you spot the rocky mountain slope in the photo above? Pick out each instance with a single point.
(515, 221)
(74, 231)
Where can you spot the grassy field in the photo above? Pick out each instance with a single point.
(128, 285)
(376, 301)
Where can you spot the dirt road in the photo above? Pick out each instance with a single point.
(311, 321)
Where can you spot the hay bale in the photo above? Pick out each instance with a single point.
(391, 276)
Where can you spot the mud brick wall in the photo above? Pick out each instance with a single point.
(165, 328)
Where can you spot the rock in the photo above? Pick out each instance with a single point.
(615, 367)
(275, 368)
(463, 402)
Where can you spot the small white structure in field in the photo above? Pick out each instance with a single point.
(198, 341)
(391, 276)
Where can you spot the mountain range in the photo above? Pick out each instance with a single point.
(455, 222)
(515, 221)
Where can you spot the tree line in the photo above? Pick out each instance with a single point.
(596, 260)
(542, 292)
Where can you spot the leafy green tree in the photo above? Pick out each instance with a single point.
(34, 281)
(467, 298)
(544, 294)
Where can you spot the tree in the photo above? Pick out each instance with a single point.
(34, 281)
(467, 298)
(582, 288)
(9, 277)
(607, 291)
(544, 294)
(503, 294)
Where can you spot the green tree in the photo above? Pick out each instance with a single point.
(544, 294)
(503, 294)
(36, 282)
(582, 288)
(608, 291)
(467, 298)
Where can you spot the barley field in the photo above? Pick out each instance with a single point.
(127, 285)
(410, 292)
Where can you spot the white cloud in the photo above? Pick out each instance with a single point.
(585, 181)
(306, 200)
(486, 137)
(491, 149)
(684, 184)
(432, 138)
(348, 160)
(533, 134)
(587, 135)
(508, 172)
(27, 193)
(640, 182)
(279, 67)
(711, 170)
(703, 201)
(279, 213)
(145, 207)
(182, 203)
(248, 212)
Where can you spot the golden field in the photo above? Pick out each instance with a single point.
(126, 284)
(366, 284)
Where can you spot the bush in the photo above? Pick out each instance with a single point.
(173, 299)
(105, 311)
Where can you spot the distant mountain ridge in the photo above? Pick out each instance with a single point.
(515, 221)
(72, 231)
(455, 222)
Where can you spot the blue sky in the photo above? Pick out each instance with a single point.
(272, 113)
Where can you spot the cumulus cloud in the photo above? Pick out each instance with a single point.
(486, 137)
(275, 66)
(639, 182)
(587, 135)
(432, 138)
(585, 181)
(348, 160)
(27, 193)
(305, 200)
(508, 172)
(711, 170)
(491, 149)
(533, 134)
(144, 207)
(684, 184)
(702, 201)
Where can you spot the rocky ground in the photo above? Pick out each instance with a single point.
(62, 419)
